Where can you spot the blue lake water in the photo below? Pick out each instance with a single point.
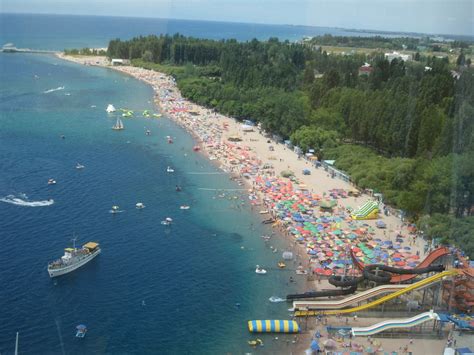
(57, 32)
(154, 289)
(189, 277)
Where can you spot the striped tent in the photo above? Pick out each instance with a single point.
(273, 326)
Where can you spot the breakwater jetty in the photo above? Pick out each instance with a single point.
(10, 48)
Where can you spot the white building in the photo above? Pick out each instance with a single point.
(393, 55)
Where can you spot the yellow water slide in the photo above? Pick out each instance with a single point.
(389, 297)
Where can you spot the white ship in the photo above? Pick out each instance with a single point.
(73, 259)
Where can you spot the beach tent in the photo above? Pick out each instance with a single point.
(287, 173)
(234, 138)
(380, 224)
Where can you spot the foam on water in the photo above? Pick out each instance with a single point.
(14, 200)
(53, 90)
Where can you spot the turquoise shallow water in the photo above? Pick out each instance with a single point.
(190, 276)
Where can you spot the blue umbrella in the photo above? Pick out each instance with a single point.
(315, 346)
(396, 259)
(407, 248)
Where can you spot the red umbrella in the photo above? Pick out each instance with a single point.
(328, 272)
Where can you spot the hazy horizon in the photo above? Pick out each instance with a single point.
(362, 30)
(405, 16)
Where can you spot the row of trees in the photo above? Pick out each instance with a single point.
(413, 112)
(85, 51)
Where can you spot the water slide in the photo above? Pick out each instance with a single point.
(408, 288)
(368, 210)
(316, 294)
(394, 323)
(409, 274)
(352, 299)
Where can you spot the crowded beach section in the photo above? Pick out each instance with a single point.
(312, 210)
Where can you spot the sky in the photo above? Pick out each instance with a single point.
(425, 16)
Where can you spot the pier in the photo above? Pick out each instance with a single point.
(10, 48)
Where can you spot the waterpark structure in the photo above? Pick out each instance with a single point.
(391, 290)
(369, 210)
(395, 323)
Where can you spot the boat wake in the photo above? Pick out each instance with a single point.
(23, 201)
(53, 90)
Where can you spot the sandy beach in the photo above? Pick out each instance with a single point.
(259, 161)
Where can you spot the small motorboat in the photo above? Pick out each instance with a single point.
(178, 188)
(263, 212)
(115, 209)
(51, 182)
(265, 237)
(139, 205)
(260, 271)
(281, 264)
(167, 221)
(184, 207)
(81, 331)
(255, 342)
(169, 169)
(275, 299)
(300, 271)
(170, 140)
(79, 166)
(147, 132)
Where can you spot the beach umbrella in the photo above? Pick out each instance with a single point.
(369, 350)
(315, 346)
(330, 343)
(407, 248)
(319, 271)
